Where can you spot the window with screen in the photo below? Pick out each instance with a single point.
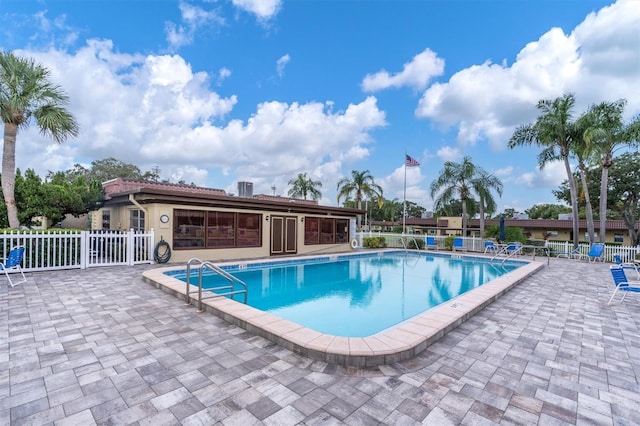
(311, 231)
(216, 229)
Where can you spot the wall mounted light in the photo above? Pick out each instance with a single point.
(302, 219)
(266, 218)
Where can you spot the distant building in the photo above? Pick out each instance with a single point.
(561, 229)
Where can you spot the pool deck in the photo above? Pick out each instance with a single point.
(101, 346)
(398, 343)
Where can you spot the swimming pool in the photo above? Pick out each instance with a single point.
(363, 294)
(396, 343)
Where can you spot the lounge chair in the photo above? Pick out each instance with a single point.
(512, 249)
(596, 253)
(12, 263)
(575, 253)
(627, 265)
(622, 283)
(490, 247)
(458, 244)
(430, 242)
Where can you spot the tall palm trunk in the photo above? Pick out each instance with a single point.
(481, 211)
(587, 199)
(9, 173)
(574, 199)
(464, 217)
(603, 197)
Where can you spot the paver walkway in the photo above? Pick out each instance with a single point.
(100, 346)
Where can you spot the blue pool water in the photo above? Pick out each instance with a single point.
(357, 296)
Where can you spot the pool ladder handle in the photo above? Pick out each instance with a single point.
(516, 252)
(409, 238)
(219, 271)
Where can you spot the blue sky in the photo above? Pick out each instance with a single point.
(216, 92)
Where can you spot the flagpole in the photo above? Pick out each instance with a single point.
(404, 196)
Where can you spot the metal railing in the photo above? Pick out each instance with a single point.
(227, 290)
(475, 244)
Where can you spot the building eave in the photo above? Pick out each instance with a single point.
(151, 196)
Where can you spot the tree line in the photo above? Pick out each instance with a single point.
(591, 140)
(76, 191)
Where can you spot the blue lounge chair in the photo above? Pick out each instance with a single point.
(513, 249)
(458, 244)
(596, 253)
(12, 263)
(622, 283)
(490, 247)
(626, 265)
(430, 242)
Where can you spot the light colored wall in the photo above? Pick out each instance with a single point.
(120, 221)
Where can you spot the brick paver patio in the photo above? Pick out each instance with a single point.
(100, 346)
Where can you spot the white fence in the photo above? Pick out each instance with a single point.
(627, 253)
(79, 249)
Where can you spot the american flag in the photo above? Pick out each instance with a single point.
(411, 162)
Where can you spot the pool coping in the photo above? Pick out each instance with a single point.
(400, 342)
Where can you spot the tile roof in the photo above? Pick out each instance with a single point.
(120, 185)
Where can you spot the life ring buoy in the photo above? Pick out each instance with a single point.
(354, 244)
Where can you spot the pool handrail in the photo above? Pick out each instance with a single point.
(210, 265)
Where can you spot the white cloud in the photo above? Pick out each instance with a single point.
(193, 19)
(504, 172)
(281, 63)
(394, 185)
(263, 9)
(155, 110)
(223, 74)
(189, 174)
(448, 153)
(597, 61)
(416, 74)
(551, 176)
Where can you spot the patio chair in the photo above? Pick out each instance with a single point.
(430, 242)
(575, 253)
(622, 283)
(458, 244)
(12, 263)
(596, 253)
(626, 265)
(490, 247)
(511, 249)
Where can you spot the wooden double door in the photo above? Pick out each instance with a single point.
(284, 236)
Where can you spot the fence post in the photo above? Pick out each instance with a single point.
(84, 249)
(151, 244)
(130, 243)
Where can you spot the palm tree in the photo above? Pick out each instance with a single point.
(483, 185)
(360, 185)
(26, 94)
(583, 152)
(554, 131)
(606, 134)
(456, 180)
(301, 186)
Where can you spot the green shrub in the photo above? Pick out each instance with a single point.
(448, 242)
(415, 243)
(374, 242)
